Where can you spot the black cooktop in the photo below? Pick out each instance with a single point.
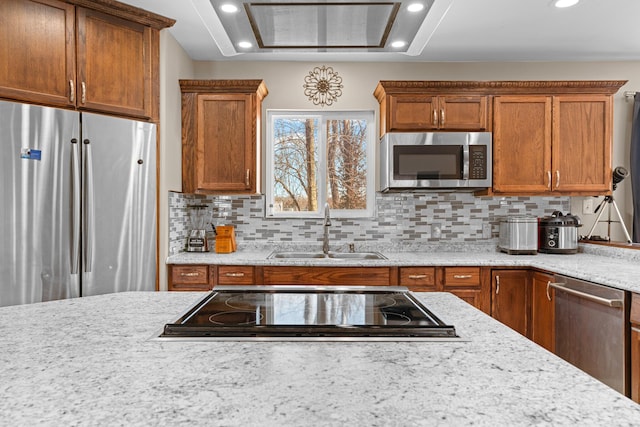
(329, 313)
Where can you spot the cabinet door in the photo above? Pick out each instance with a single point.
(582, 143)
(510, 301)
(114, 64)
(522, 144)
(412, 113)
(635, 362)
(225, 152)
(463, 113)
(542, 311)
(37, 51)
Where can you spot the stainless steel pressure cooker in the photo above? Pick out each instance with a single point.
(558, 234)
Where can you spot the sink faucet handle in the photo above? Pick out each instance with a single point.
(327, 214)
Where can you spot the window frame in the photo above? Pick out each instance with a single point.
(321, 173)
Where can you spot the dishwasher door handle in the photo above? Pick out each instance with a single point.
(604, 301)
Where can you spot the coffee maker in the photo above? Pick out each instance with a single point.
(199, 216)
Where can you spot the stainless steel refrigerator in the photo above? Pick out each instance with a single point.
(77, 204)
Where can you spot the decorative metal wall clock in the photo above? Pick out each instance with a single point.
(323, 86)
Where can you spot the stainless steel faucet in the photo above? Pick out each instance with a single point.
(327, 224)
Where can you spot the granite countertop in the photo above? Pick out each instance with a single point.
(90, 361)
(607, 266)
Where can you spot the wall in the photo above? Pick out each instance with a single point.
(175, 64)
(284, 81)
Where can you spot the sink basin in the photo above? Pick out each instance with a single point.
(330, 255)
(296, 255)
(356, 255)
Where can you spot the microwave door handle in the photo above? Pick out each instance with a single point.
(465, 162)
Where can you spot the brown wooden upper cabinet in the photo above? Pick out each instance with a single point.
(418, 106)
(97, 56)
(221, 135)
(554, 143)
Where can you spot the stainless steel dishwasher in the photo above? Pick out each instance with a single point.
(592, 331)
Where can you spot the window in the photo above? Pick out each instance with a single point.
(316, 157)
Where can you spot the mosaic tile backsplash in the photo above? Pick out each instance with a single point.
(400, 218)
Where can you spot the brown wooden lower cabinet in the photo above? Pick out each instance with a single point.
(357, 276)
(542, 311)
(510, 298)
(467, 283)
(635, 347)
(189, 278)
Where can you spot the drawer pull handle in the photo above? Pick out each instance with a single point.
(189, 274)
(234, 274)
(417, 276)
(497, 285)
(247, 178)
(557, 178)
(549, 179)
(462, 276)
(442, 117)
(72, 91)
(435, 118)
(83, 99)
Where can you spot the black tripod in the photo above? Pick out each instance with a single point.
(608, 200)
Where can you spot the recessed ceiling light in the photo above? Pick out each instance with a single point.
(415, 7)
(245, 45)
(565, 3)
(398, 43)
(229, 8)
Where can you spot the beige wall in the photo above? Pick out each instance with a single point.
(284, 81)
(175, 64)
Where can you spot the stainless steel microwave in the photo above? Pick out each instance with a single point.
(435, 160)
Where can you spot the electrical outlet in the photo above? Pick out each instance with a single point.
(587, 206)
(436, 230)
(486, 231)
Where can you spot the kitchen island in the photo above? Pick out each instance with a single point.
(92, 361)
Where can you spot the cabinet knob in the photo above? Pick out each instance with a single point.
(189, 274)
(234, 274)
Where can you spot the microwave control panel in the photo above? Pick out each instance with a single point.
(477, 162)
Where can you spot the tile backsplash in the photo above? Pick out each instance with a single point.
(400, 218)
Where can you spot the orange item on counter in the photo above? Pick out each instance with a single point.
(225, 239)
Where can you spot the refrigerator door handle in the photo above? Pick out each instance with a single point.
(75, 207)
(88, 207)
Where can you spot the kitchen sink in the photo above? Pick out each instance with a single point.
(321, 255)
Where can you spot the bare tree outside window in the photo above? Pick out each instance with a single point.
(316, 157)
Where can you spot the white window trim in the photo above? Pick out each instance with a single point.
(367, 115)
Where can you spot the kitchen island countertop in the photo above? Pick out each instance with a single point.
(90, 361)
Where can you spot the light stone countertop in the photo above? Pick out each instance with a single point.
(90, 362)
(611, 267)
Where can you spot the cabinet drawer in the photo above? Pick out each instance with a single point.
(461, 276)
(417, 276)
(236, 275)
(190, 274)
(359, 276)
